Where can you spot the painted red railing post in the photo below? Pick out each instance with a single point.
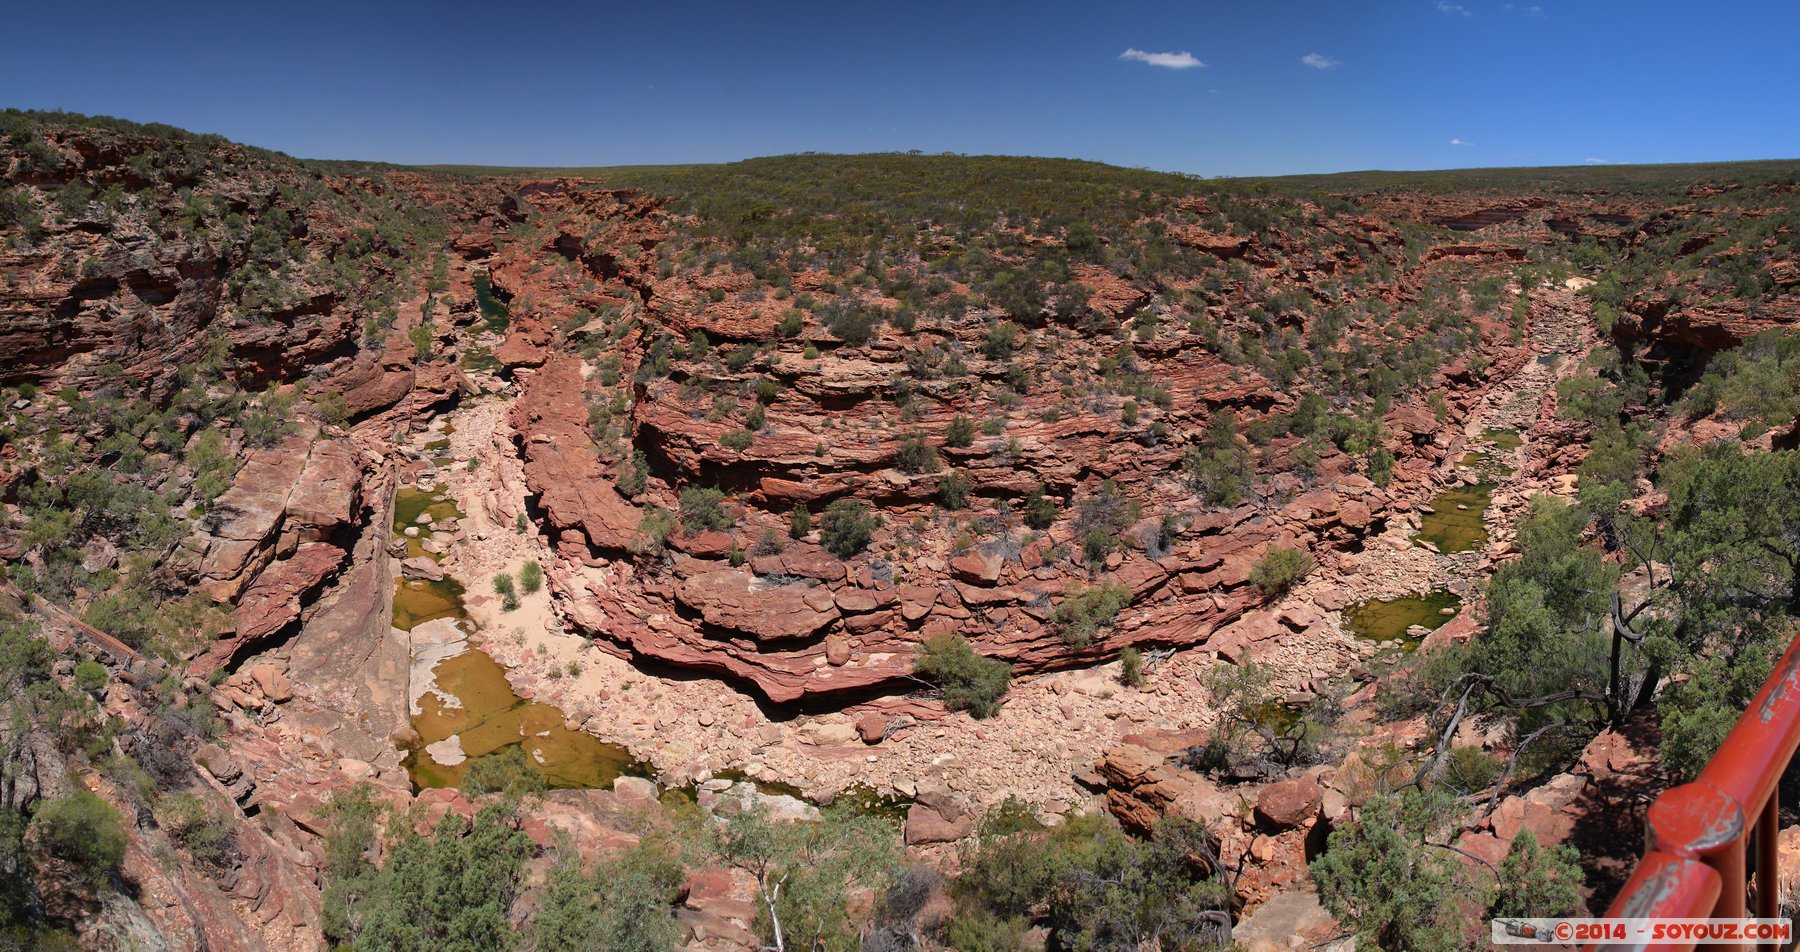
(1700, 832)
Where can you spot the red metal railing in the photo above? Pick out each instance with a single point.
(1700, 832)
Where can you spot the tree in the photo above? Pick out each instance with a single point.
(449, 892)
(806, 872)
(967, 679)
(1279, 569)
(1535, 881)
(1382, 876)
(84, 831)
(625, 904)
(846, 527)
(1092, 886)
(1219, 467)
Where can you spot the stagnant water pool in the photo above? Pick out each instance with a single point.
(471, 711)
(1388, 619)
(473, 702)
(1455, 524)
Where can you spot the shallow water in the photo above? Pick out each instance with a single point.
(1503, 440)
(409, 503)
(1388, 619)
(417, 601)
(1454, 529)
(488, 718)
(496, 312)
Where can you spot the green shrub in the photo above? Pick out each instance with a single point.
(967, 679)
(503, 584)
(633, 474)
(531, 577)
(1089, 885)
(1131, 667)
(852, 323)
(915, 456)
(960, 432)
(846, 527)
(799, 522)
(623, 904)
(1279, 569)
(1085, 611)
(1040, 509)
(84, 831)
(953, 490)
(453, 890)
(703, 509)
(653, 531)
(196, 827)
(1219, 468)
(90, 676)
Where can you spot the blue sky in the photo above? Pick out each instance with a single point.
(1265, 87)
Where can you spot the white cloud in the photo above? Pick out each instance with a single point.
(1595, 160)
(1181, 60)
(1317, 61)
(1461, 142)
(1445, 6)
(1534, 11)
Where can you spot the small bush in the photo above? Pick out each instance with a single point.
(799, 522)
(1085, 611)
(1280, 569)
(846, 527)
(703, 509)
(967, 679)
(653, 531)
(953, 491)
(915, 456)
(196, 827)
(1131, 667)
(90, 676)
(503, 584)
(1040, 509)
(960, 432)
(531, 577)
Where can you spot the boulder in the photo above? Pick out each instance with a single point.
(1289, 803)
(423, 568)
(926, 825)
(272, 683)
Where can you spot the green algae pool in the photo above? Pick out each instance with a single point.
(494, 310)
(410, 502)
(474, 703)
(1503, 440)
(1388, 619)
(417, 601)
(1456, 525)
